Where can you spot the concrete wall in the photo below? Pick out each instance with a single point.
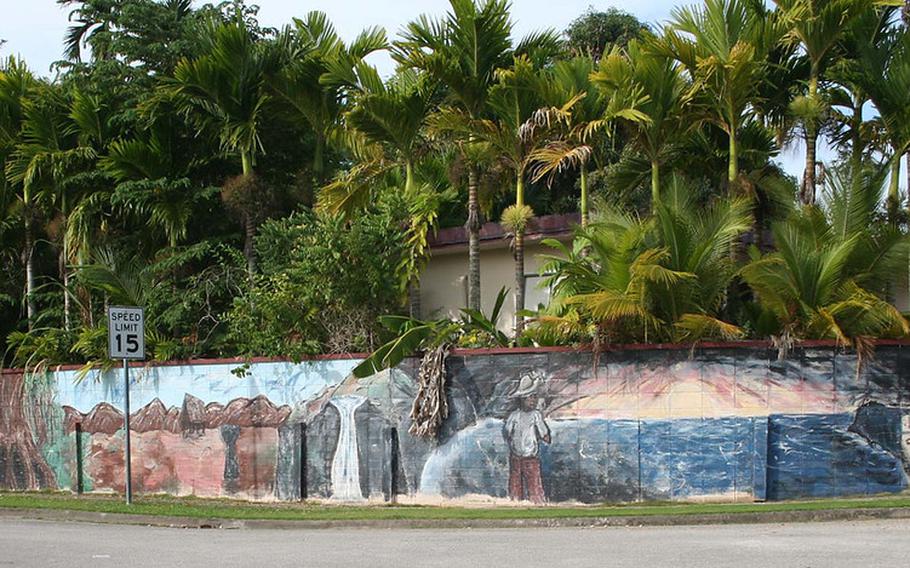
(444, 288)
(721, 423)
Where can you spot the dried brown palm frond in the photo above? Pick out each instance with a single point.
(430, 408)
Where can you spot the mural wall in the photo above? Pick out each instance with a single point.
(729, 423)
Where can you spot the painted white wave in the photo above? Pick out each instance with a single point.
(436, 469)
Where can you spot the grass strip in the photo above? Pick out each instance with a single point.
(225, 509)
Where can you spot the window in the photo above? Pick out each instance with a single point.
(536, 293)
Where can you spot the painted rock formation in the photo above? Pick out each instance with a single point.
(103, 419)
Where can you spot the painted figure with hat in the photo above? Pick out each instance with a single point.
(524, 429)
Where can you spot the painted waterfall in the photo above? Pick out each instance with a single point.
(346, 464)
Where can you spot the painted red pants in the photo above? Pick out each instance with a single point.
(524, 479)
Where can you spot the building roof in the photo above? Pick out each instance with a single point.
(493, 235)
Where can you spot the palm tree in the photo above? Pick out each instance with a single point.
(850, 131)
(152, 181)
(861, 44)
(659, 120)
(853, 212)
(882, 71)
(604, 285)
(700, 240)
(392, 116)
(463, 51)
(818, 25)
(16, 85)
(312, 83)
(84, 189)
(580, 121)
(827, 276)
(93, 21)
(225, 91)
(663, 277)
(510, 136)
(722, 47)
(57, 137)
(48, 155)
(392, 119)
(573, 107)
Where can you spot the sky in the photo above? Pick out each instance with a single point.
(34, 29)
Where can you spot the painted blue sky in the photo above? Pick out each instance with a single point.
(282, 383)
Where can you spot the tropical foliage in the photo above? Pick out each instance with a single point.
(271, 192)
(663, 277)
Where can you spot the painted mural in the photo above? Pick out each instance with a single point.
(728, 423)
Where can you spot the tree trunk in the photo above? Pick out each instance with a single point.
(249, 224)
(808, 188)
(318, 158)
(856, 142)
(655, 184)
(248, 251)
(473, 225)
(733, 151)
(807, 191)
(414, 297)
(894, 192)
(907, 173)
(584, 195)
(409, 182)
(85, 306)
(22, 467)
(28, 260)
(65, 276)
(519, 254)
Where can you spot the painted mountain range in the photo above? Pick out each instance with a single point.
(194, 416)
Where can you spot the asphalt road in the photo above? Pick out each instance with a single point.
(823, 545)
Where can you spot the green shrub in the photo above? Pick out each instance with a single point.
(324, 282)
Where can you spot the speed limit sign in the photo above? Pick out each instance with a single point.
(125, 332)
(126, 340)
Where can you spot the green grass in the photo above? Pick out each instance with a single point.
(227, 509)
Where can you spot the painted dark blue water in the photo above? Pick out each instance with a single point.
(592, 461)
(819, 456)
(716, 456)
(773, 457)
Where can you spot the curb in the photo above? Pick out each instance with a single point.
(771, 517)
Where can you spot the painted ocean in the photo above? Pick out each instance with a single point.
(594, 460)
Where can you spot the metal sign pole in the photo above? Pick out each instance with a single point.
(127, 456)
(126, 340)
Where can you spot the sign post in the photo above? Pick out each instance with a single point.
(126, 340)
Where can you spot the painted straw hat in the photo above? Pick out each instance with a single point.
(529, 384)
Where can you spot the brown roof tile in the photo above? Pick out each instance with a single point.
(547, 226)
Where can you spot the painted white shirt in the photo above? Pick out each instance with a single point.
(524, 430)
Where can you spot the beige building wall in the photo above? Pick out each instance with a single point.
(444, 289)
(444, 282)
